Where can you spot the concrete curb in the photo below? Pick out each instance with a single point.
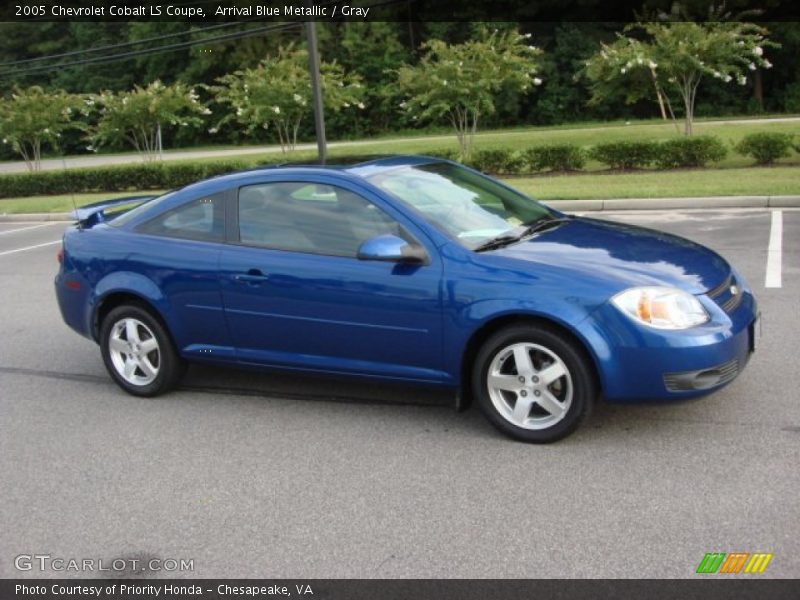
(4, 218)
(677, 203)
(569, 205)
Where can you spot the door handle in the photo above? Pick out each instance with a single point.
(253, 277)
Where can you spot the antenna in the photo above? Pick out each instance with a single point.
(71, 194)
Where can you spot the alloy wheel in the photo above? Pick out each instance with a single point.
(530, 386)
(134, 351)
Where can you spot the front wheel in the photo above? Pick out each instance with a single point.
(533, 383)
(138, 353)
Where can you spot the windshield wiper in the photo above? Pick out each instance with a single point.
(535, 227)
(498, 242)
(543, 223)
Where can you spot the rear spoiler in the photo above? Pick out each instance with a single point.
(92, 214)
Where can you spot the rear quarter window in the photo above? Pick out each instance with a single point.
(202, 219)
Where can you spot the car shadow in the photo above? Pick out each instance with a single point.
(606, 419)
(304, 386)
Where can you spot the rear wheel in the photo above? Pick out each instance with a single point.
(533, 383)
(138, 353)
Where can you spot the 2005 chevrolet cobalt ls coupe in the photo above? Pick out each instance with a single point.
(405, 269)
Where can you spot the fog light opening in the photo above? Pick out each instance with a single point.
(706, 379)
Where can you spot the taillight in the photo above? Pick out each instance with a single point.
(60, 256)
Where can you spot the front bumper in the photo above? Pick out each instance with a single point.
(640, 364)
(703, 379)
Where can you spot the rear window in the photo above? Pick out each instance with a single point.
(118, 219)
(202, 219)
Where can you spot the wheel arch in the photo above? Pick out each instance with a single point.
(118, 298)
(495, 324)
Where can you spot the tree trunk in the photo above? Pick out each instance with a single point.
(159, 143)
(280, 137)
(134, 141)
(411, 41)
(153, 145)
(37, 155)
(692, 98)
(688, 105)
(758, 90)
(661, 105)
(658, 94)
(285, 136)
(145, 143)
(473, 128)
(687, 123)
(458, 119)
(672, 114)
(294, 132)
(26, 156)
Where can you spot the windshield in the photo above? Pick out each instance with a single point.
(468, 206)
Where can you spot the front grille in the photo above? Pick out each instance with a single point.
(704, 379)
(724, 296)
(721, 288)
(731, 303)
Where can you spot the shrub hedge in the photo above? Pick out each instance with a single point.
(497, 161)
(117, 178)
(625, 155)
(695, 151)
(445, 154)
(766, 147)
(556, 157)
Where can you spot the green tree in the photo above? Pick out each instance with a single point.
(32, 118)
(23, 41)
(277, 93)
(675, 57)
(136, 117)
(462, 81)
(91, 78)
(373, 51)
(561, 100)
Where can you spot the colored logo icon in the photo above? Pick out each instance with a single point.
(734, 562)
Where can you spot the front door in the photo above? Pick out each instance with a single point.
(295, 295)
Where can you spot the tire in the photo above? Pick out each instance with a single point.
(548, 397)
(148, 366)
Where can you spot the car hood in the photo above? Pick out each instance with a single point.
(622, 256)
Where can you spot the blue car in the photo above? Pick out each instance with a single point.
(405, 269)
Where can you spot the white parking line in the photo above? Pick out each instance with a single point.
(25, 228)
(774, 251)
(29, 248)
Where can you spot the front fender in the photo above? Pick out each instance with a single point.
(477, 316)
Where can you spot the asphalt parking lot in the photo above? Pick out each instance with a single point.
(275, 476)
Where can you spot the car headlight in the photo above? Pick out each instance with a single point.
(661, 307)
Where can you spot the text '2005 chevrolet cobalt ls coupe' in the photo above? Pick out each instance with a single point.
(407, 269)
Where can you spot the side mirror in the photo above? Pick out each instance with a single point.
(391, 248)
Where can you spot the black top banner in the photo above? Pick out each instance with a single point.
(201, 11)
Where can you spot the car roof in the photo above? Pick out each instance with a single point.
(355, 170)
(359, 166)
(351, 163)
